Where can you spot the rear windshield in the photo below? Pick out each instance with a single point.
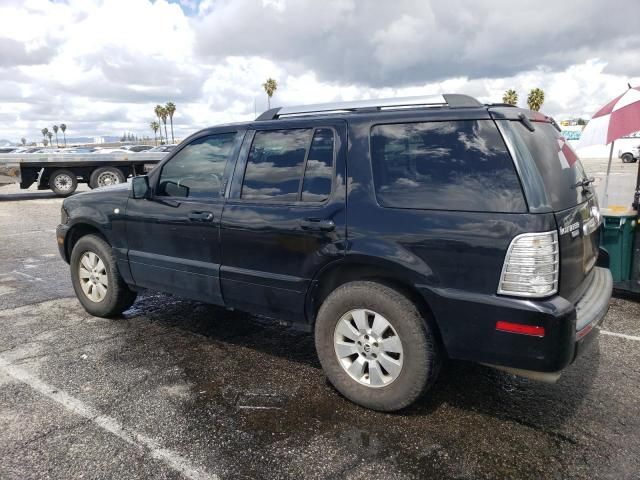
(447, 165)
(557, 163)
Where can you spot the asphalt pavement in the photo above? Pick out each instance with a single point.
(180, 389)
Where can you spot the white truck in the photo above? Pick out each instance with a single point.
(62, 172)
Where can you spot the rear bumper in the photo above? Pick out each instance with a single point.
(592, 307)
(467, 323)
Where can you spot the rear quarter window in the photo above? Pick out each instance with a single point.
(449, 165)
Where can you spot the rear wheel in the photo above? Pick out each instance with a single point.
(96, 279)
(63, 182)
(627, 158)
(375, 347)
(102, 177)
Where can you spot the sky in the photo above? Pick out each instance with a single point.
(100, 67)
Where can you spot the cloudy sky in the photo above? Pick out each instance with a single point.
(101, 66)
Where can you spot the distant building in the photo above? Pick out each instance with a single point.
(98, 140)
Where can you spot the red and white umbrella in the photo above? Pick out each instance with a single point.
(619, 117)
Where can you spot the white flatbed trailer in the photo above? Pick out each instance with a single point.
(62, 172)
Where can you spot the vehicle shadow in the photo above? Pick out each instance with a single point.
(537, 405)
(463, 385)
(36, 195)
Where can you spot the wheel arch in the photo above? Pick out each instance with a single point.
(363, 269)
(79, 230)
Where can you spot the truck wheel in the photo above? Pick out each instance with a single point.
(102, 177)
(375, 346)
(63, 182)
(96, 279)
(627, 158)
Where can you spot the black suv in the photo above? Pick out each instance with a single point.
(401, 231)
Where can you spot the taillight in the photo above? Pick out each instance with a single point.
(531, 266)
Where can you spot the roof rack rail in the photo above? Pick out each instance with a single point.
(452, 100)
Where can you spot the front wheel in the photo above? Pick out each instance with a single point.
(627, 158)
(375, 346)
(96, 279)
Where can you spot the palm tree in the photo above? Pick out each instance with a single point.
(24, 141)
(535, 99)
(44, 131)
(158, 111)
(270, 86)
(63, 127)
(45, 142)
(55, 130)
(163, 116)
(170, 107)
(510, 97)
(155, 126)
(50, 135)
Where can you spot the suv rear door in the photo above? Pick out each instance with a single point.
(284, 218)
(553, 182)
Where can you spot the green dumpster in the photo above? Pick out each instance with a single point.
(616, 237)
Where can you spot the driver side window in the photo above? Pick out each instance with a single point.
(197, 170)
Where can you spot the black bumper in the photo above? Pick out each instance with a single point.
(61, 237)
(467, 324)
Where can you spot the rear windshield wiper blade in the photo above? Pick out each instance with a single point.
(526, 122)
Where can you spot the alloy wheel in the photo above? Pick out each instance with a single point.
(93, 277)
(368, 348)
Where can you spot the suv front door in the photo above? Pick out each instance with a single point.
(173, 236)
(285, 216)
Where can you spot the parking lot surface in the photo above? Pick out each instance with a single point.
(180, 389)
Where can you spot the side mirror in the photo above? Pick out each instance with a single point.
(140, 187)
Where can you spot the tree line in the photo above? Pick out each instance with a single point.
(163, 113)
(47, 135)
(535, 99)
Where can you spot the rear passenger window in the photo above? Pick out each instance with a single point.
(290, 165)
(319, 168)
(275, 164)
(455, 165)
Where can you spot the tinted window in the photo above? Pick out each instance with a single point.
(275, 164)
(558, 165)
(458, 165)
(197, 170)
(319, 168)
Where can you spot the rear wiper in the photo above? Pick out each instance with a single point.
(526, 122)
(585, 182)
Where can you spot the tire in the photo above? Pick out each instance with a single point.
(627, 158)
(101, 177)
(420, 358)
(63, 182)
(117, 296)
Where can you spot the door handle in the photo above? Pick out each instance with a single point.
(201, 217)
(318, 225)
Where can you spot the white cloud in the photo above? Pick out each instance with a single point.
(101, 67)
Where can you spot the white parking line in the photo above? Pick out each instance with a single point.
(110, 424)
(620, 335)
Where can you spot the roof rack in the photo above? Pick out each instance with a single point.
(452, 100)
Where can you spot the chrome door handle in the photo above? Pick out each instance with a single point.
(201, 216)
(318, 225)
